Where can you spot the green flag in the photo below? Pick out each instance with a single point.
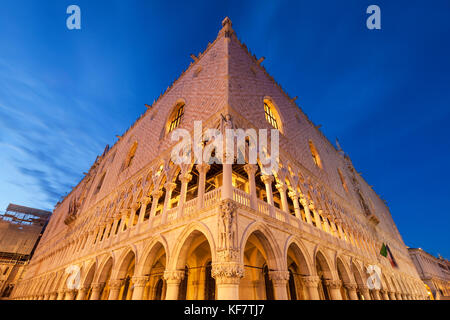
(383, 250)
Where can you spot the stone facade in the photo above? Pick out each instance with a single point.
(140, 227)
(20, 230)
(434, 272)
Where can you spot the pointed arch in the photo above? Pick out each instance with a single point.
(301, 254)
(184, 240)
(270, 246)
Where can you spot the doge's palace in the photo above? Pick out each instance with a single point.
(138, 226)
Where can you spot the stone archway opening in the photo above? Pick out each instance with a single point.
(104, 278)
(258, 263)
(195, 259)
(324, 273)
(298, 268)
(154, 267)
(125, 276)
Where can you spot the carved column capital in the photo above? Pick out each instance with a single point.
(202, 167)
(170, 186)
(350, 285)
(282, 187)
(293, 195)
(174, 276)
(185, 178)
(333, 284)
(140, 281)
(156, 194)
(279, 277)
(250, 169)
(310, 281)
(227, 272)
(125, 212)
(115, 284)
(266, 179)
(146, 200)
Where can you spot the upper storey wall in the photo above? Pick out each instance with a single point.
(250, 85)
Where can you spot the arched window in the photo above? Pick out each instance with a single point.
(272, 116)
(175, 118)
(130, 156)
(344, 184)
(315, 155)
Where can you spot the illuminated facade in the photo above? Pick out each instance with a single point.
(20, 230)
(140, 227)
(434, 272)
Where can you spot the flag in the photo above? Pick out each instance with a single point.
(383, 250)
(391, 257)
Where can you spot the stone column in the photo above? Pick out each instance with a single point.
(251, 170)
(365, 292)
(228, 276)
(334, 286)
(202, 169)
(316, 217)
(351, 289)
(115, 224)
(97, 290)
(185, 178)
(173, 280)
(326, 226)
(53, 296)
(279, 281)
(384, 294)
(134, 207)
(114, 289)
(144, 203)
(282, 188)
(398, 296)
(307, 212)
(227, 180)
(155, 196)
(124, 214)
(82, 292)
(60, 295)
(267, 180)
(311, 283)
(139, 286)
(70, 295)
(170, 186)
(392, 296)
(294, 196)
(47, 296)
(376, 294)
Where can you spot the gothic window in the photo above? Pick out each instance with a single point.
(130, 155)
(100, 183)
(344, 184)
(271, 115)
(315, 155)
(175, 119)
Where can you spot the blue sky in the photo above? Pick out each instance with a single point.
(385, 94)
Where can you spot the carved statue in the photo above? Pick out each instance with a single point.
(227, 226)
(226, 123)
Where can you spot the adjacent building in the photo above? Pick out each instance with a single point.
(141, 226)
(434, 272)
(20, 230)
